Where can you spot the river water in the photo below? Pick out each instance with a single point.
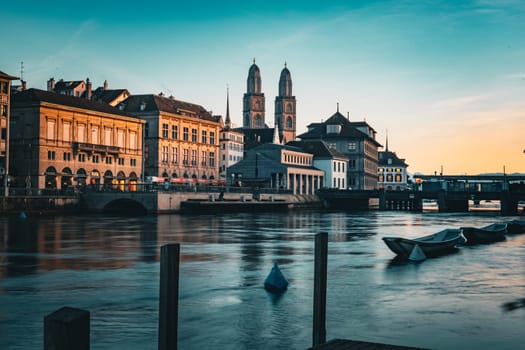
(110, 266)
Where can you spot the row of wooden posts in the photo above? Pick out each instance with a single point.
(69, 328)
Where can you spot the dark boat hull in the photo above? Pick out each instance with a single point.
(516, 226)
(430, 245)
(484, 235)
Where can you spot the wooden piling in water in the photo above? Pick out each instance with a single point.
(169, 296)
(320, 269)
(67, 329)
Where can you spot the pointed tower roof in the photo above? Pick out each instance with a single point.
(228, 120)
(276, 139)
(285, 82)
(254, 79)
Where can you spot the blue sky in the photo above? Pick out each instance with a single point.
(446, 78)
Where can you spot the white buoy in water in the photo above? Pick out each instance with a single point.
(22, 215)
(417, 254)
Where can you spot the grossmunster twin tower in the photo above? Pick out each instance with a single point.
(254, 105)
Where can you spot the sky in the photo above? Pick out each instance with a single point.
(444, 79)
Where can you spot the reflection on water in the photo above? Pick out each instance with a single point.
(110, 266)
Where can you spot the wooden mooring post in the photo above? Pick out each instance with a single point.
(320, 269)
(169, 296)
(67, 329)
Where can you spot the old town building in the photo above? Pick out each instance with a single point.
(279, 167)
(327, 159)
(5, 97)
(357, 141)
(392, 171)
(181, 138)
(62, 142)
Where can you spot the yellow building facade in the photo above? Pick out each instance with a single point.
(181, 138)
(62, 143)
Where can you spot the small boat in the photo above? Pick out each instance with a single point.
(432, 245)
(516, 226)
(487, 234)
(275, 282)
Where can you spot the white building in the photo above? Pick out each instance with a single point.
(327, 159)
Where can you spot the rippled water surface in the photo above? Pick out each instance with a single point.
(110, 266)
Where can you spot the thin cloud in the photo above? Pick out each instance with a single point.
(460, 102)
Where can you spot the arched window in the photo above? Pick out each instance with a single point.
(67, 178)
(289, 108)
(258, 121)
(289, 123)
(51, 177)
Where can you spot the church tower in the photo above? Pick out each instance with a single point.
(285, 114)
(253, 101)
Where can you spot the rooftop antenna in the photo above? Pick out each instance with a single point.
(387, 140)
(22, 71)
(337, 107)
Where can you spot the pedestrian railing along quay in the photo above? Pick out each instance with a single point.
(68, 328)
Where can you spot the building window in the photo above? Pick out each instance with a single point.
(107, 137)
(212, 138)
(121, 161)
(351, 164)
(51, 129)
(82, 158)
(203, 158)
(204, 136)
(133, 162)
(120, 138)
(398, 178)
(174, 132)
(109, 160)
(185, 136)
(389, 178)
(352, 146)
(51, 155)
(164, 154)
(212, 158)
(66, 132)
(133, 140)
(186, 157)
(67, 156)
(193, 157)
(95, 159)
(193, 135)
(174, 155)
(81, 132)
(165, 131)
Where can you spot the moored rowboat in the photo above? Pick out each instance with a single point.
(487, 234)
(431, 245)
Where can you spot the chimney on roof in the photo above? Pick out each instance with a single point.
(51, 84)
(24, 85)
(88, 89)
(106, 85)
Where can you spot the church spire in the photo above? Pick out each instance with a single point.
(386, 140)
(228, 120)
